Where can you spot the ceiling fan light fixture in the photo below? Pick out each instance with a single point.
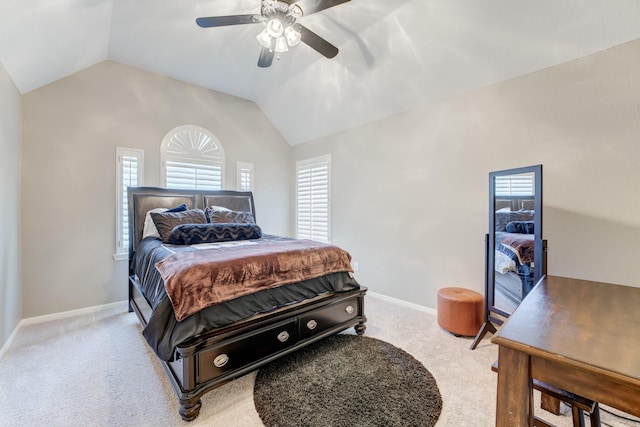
(264, 38)
(274, 27)
(293, 36)
(281, 45)
(279, 35)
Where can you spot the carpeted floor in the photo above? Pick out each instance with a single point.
(95, 369)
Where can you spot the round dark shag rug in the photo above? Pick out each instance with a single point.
(347, 380)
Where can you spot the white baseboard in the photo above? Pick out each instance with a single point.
(102, 307)
(70, 313)
(6, 345)
(404, 303)
(55, 316)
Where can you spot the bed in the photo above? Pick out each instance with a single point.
(204, 325)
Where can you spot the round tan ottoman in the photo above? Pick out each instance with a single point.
(460, 311)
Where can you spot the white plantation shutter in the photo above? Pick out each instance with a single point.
(129, 173)
(244, 176)
(514, 185)
(312, 199)
(193, 175)
(192, 158)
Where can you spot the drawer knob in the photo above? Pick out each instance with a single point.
(349, 309)
(311, 324)
(220, 360)
(283, 336)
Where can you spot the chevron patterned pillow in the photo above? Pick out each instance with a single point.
(191, 234)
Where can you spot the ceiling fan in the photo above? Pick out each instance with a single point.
(281, 30)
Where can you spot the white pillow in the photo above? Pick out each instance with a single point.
(150, 229)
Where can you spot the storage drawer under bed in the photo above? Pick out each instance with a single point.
(316, 321)
(246, 349)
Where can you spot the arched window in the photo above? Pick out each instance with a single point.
(192, 157)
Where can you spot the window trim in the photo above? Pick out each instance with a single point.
(323, 161)
(122, 253)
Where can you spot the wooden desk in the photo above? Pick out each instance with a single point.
(578, 335)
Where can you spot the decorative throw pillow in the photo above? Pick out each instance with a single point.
(505, 217)
(218, 208)
(191, 234)
(522, 227)
(179, 208)
(216, 215)
(150, 229)
(166, 221)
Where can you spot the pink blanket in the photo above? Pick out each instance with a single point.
(200, 278)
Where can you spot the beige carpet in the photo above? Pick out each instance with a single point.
(95, 369)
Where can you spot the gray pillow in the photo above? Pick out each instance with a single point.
(505, 217)
(166, 221)
(225, 216)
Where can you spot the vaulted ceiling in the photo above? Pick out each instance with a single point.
(394, 54)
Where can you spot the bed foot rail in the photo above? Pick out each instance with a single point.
(189, 409)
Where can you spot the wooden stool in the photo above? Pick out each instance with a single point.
(579, 405)
(460, 311)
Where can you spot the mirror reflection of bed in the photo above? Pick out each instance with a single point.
(514, 249)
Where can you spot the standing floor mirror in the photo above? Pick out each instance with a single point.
(515, 251)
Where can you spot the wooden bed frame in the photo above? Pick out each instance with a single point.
(207, 361)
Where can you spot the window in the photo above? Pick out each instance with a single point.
(312, 198)
(244, 176)
(191, 157)
(129, 173)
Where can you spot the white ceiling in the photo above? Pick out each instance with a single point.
(394, 54)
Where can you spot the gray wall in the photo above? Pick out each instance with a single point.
(10, 292)
(410, 193)
(70, 132)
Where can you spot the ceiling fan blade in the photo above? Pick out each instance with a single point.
(317, 43)
(312, 6)
(266, 57)
(221, 21)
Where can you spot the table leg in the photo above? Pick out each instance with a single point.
(514, 407)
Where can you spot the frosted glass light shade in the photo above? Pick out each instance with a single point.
(293, 37)
(264, 38)
(281, 45)
(274, 27)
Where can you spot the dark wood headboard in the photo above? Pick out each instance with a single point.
(143, 199)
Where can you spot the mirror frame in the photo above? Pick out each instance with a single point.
(539, 265)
